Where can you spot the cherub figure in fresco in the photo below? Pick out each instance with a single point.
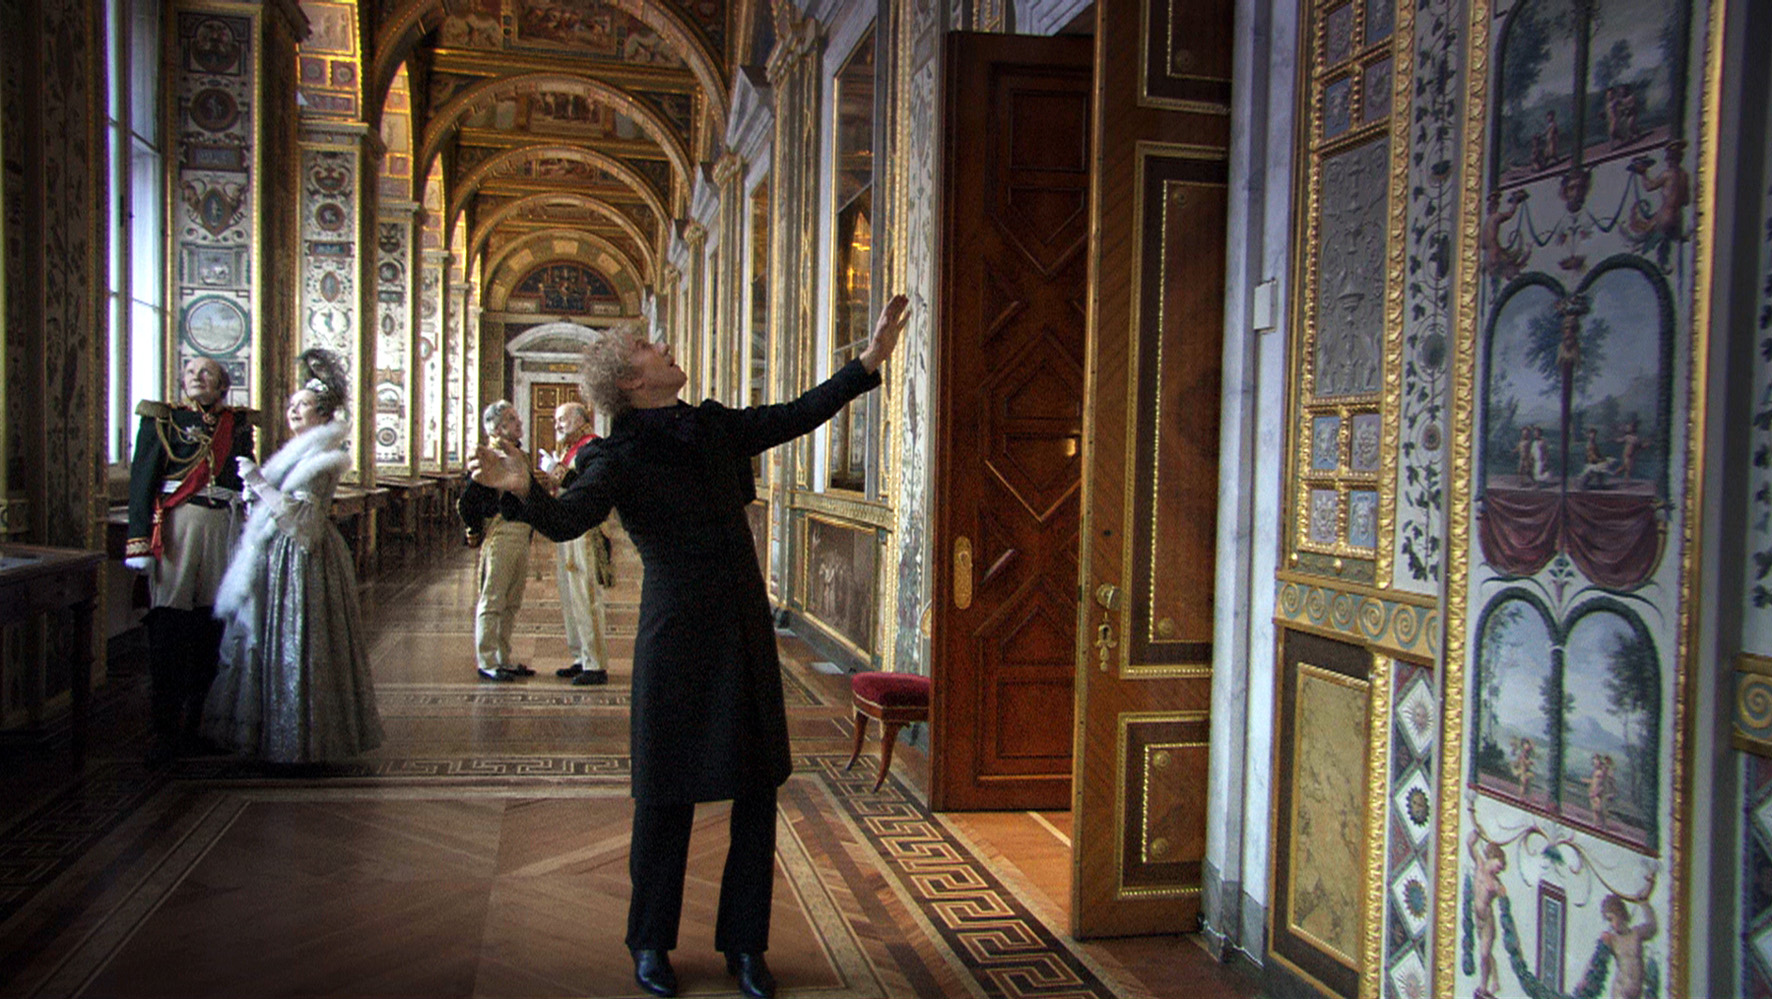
(1525, 760)
(1621, 114)
(1659, 230)
(1524, 450)
(1503, 259)
(1634, 444)
(1596, 468)
(1486, 887)
(1626, 942)
(1602, 787)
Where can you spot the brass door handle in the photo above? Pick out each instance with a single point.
(963, 572)
(1108, 596)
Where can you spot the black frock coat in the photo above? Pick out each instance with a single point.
(708, 721)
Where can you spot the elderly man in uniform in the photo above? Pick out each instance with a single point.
(184, 518)
(580, 565)
(504, 555)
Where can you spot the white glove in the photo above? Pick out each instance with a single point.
(548, 461)
(140, 563)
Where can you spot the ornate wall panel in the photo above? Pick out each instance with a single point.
(1587, 180)
(1422, 370)
(332, 259)
(1329, 818)
(427, 371)
(1753, 668)
(55, 247)
(213, 222)
(393, 341)
(330, 79)
(914, 163)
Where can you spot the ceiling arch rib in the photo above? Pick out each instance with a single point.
(509, 264)
(558, 155)
(412, 21)
(484, 229)
(448, 119)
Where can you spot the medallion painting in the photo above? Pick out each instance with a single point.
(1563, 827)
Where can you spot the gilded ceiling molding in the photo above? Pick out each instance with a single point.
(445, 122)
(728, 166)
(483, 231)
(503, 276)
(695, 234)
(468, 186)
(412, 21)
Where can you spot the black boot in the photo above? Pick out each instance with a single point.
(752, 972)
(652, 970)
(168, 642)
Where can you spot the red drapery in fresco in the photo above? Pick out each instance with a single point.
(1613, 538)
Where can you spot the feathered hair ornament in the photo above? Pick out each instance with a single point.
(325, 378)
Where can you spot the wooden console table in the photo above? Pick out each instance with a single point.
(37, 581)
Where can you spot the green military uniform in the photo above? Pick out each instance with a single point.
(184, 514)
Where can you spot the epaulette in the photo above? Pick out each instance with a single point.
(155, 410)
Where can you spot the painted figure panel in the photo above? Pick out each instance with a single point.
(1350, 287)
(1516, 698)
(840, 564)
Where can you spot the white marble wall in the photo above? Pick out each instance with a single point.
(1251, 456)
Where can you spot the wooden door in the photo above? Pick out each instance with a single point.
(1009, 405)
(544, 398)
(1150, 491)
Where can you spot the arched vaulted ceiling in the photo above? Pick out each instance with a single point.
(508, 264)
(583, 117)
(545, 104)
(546, 209)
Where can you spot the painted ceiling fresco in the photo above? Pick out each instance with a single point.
(610, 107)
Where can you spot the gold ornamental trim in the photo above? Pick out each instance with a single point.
(1123, 725)
(1458, 501)
(1685, 714)
(853, 512)
(1406, 629)
(1378, 787)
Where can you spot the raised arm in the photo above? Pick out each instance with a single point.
(580, 506)
(763, 427)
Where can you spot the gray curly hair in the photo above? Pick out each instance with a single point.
(605, 365)
(494, 413)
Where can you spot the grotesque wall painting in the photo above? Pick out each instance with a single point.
(1580, 445)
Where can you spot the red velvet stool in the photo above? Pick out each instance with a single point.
(896, 699)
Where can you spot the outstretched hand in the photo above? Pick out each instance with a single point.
(500, 468)
(886, 331)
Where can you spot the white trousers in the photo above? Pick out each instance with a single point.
(575, 570)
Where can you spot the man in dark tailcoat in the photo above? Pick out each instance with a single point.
(708, 721)
(184, 518)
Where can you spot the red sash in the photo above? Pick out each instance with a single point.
(567, 458)
(221, 445)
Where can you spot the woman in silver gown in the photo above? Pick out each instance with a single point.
(294, 685)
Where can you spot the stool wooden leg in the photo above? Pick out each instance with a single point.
(861, 733)
(887, 740)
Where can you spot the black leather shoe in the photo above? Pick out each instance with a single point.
(591, 678)
(652, 970)
(752, 972)
(568, 672)
(497, 673)
(517, 669)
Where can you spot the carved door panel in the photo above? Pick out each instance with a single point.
(1150, 493)
(1009, 404)
(544, 398)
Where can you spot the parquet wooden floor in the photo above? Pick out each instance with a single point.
(481, 851)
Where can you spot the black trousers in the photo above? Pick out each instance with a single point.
(183, 649)
(659, 855)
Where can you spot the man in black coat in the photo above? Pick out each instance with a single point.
(708, 721)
